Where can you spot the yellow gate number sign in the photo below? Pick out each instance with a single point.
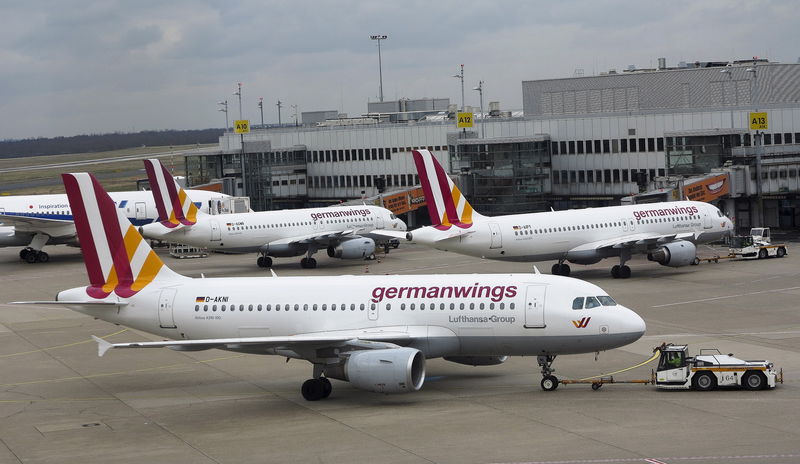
(759, 121)
(242, 126)
(465, 120)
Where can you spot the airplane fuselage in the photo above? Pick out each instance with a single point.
(138, 206)
(444, 315)
(249, 232)
(551, 235)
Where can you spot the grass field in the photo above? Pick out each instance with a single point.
(41, 173)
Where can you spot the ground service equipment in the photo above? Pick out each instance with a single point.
(711, 369)
(756, 245)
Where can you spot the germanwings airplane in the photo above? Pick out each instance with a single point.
(345, 232)
(33, 221)
(666, 232)
(373, 331)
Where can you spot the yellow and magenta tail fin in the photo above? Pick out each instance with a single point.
(446, 205)
(118, 260)
(174, 206)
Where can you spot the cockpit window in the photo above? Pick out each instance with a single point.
(591, 302)
(577, 303)
(391, 215)
(719, 213)
(607, 301)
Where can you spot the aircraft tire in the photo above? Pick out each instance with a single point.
(42, 257)
(23, 253)
(554, 270)
(31, 257)
(549, 383)
(267, 262)
(615, 271)
(260, 261)
(327, 388)
(624, 272)
(313, 390)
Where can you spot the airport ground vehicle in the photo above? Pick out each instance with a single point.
(711, 369)
(757, 245)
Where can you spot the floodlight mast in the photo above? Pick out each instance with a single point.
(378, 38)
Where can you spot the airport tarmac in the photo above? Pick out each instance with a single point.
(60, 403)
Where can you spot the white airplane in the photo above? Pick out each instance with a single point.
(666, 232)
(33, 221)
(374, 331)
(346, 232)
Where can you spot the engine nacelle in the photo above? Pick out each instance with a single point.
(392, 370)
(675, 254)
(284, 251)
(357, 248)
(477, 360)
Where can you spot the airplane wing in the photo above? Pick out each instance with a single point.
(33, 222)
(454, 232)
(323, 238)
(641, 240)
(389, 233)
(369, 338)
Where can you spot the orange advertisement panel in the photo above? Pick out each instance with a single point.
(708, 189)
(404, 202)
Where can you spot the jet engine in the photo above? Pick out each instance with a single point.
(391, 370)
(477, 360)
(357, 248)
(284, 251)
(675, 254)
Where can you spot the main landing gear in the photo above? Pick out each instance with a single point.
(560, 269)
(308, 263)
(264, 261)
(29, 255)
(621, 271)
(549, 381)
(316, 389)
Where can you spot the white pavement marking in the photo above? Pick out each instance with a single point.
(726, 297)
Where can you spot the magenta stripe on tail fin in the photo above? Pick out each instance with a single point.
(88, 247)
(155, 186)
(422, 172)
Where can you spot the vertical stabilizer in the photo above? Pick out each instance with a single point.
(173, 204)
(446, 205)
(118, 260)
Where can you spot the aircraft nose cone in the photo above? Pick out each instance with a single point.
(634, 325)
(401, 225)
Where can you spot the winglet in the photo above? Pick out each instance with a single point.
(446, 205)
(174, 206)
(102, 346)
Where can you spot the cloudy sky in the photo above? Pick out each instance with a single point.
(77, 67)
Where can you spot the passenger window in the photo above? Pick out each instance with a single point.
(223, 308)
(305, 307)
(197, 307)
(249, 308)
(422, 306)
(577, 303)
(452, 306)
(461, 306)
(591, 302)
(412, 306)
(606, 300)
(297, 307)
(403, 307)
(214, 308)
(362, 306)
(388, 306)
(205, 307)
(482, 306)
(314, 307)
(511, 306)
(324, 307)
(502, 305)
(259, 308)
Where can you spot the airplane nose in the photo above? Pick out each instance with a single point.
(634, 325)
(402, 225)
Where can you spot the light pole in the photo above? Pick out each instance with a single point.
(279, 112)
(461, 76)
(479, 88)
(294, 107)
(261, 109)
(757, 145)
(224, 109)
(380, 67)
(239, 93)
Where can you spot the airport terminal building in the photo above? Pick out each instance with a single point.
(656, 134)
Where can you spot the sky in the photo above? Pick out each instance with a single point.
(72, 67)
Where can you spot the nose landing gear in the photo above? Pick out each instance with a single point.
(549, 381)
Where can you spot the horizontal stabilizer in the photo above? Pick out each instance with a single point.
(110, 304)
(102, 345)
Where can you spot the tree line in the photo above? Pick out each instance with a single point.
(92, 143)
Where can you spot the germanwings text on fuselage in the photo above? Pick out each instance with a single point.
(343, 213)
(665, 212)
(495, 293)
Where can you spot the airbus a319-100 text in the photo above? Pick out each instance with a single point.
(374, 331)
(667, 232)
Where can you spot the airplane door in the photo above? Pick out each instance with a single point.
(216, 235)
(497, 239)
(706, 220)
(624, 223)
(379, 223)
(165, 306)
(534, 306)
(372, 311)
(141, 210)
